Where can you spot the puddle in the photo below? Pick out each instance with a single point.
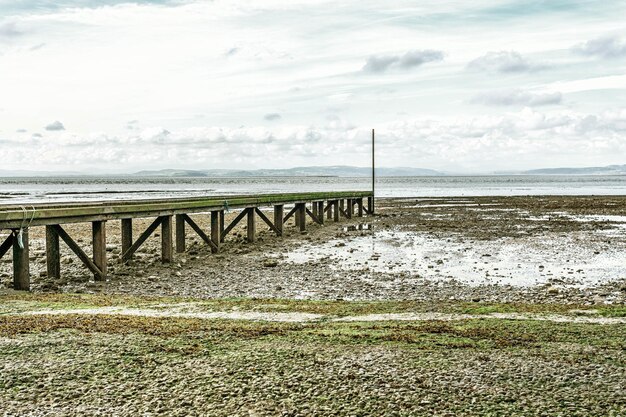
(456, 204)
(354, 228)
(572, 260)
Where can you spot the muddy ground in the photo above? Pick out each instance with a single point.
(531, 249)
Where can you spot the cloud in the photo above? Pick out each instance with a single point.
(411, 59)
(609, 46)
(529, 138)
(272, 116)
(232, 51)
(516, 97)
(55, 126)
(9, 30)
(504, 62)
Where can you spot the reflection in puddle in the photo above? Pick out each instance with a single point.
(573, 259)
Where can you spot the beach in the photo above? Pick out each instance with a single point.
(434, 306)
(535, 249)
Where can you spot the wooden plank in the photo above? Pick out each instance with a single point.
(291, 213)
(85, 259)
(278, 219)
(142, 238)
(53, 253)
(6, 245)
(99, 249)
(266, 220)
(234, 223)
(180, 233)
(21, 267)
(127, 234)
(11, 216)
(167, 249)
(251, 225)
(216, 230)
(200, 232)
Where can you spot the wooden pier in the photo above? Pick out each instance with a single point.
(170, 216)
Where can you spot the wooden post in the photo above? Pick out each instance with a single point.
(350, 207)
(180, 233)
(251, 225)
(301, 216)
(320, 211)
(53, 253)
(100, 249)
(314, 208)
(278, 218)
(21, 268)
(127, 234)
(336, 210)
(329, 213)
(359, 204)
(216, 230)
(370, 205)
(166, 240)
(342, 207)
(222, 214)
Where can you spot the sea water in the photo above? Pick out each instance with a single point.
(58, 189)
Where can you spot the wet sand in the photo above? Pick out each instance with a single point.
(499, 249)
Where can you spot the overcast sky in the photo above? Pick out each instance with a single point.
(463, 86)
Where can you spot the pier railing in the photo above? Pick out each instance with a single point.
(18, 219)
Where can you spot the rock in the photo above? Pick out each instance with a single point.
(270, 263)
(552, 290)
(66, 260)
(110, 247)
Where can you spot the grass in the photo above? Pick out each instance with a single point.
(17, 301)
(80, 364)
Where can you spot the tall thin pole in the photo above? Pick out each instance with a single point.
(373, 172)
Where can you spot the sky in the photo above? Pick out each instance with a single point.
(460, 86)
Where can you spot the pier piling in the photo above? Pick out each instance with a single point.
(21, 268)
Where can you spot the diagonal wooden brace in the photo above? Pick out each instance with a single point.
(198, 230)
(6, 245)
(234, 223)
(85, 259)
(313, 216)
(267, 221)
(145, 235)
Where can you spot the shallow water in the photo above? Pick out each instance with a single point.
(556, 259)
(24, 190)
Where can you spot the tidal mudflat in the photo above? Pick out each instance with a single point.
(500, 249)
(451, 306)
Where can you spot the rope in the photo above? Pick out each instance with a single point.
(20, 234)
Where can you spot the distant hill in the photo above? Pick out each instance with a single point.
(316, 171)
(606, 170)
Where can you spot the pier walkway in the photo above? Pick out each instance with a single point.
(171, 216)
